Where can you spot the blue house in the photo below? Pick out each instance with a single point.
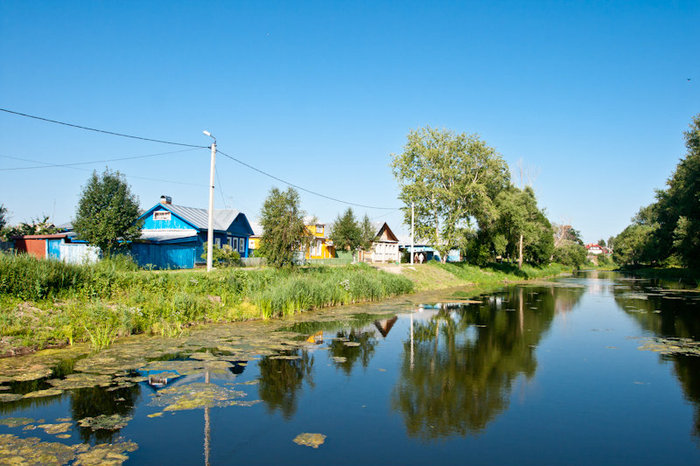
(173, 236)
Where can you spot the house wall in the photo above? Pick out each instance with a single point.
(175, 222)
(164, 256)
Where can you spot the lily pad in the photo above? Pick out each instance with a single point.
(310, 440)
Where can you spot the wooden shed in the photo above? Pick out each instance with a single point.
(41, 246)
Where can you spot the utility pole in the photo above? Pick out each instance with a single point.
(210, 233)
(413, 215)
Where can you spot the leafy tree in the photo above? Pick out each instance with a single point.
(107, 212)
(635, 245)
(223, 256)
(525, 228)
(367, 233)
(571, 254)
(452, 179)
(284, 231)
(346, 233)
(37, 227)
(601, 243)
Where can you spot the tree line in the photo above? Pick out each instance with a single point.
(667, 231)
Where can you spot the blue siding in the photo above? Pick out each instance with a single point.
(175, 222)
(164, 256)
(53, 248)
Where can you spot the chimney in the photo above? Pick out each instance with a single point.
(166, 199)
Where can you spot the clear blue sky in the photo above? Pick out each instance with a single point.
(592, 96)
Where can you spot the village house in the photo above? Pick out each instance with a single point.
(321, 246)
(173, 236)
(384, 247)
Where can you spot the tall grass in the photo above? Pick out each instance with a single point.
(100, 302)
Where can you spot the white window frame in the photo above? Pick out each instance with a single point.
(234, 244)
(162, 215)
(241, 245)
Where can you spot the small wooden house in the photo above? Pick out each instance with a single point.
(385, 247)
(173, 236)
(321, 246)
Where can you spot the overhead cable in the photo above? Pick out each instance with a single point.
(87, 128)
(301, 188)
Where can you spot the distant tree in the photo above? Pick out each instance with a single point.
(635, 245)
(346, 233)
(611, 242)
(571, 254)
(601, 243)
(107, 212)
(367, 233)
(452, 179)
(36, 227)
(282, 221)
(3, 217)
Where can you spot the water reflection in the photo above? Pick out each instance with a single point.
(96, 401)
(460, 364)
(668, 314)
(281, 379)
(351, 346)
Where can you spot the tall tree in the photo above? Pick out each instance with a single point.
(107, 212)
(452, 179)
(346, 233)
(282, 221)
(3, 216)
(525, 227)
(367, 232)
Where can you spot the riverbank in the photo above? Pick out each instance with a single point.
(47, 304)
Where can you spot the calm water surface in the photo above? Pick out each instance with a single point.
(546, 374)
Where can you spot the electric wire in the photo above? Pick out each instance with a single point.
(125, 174)
(300, 188)
(221, 189)
(71, 164)
(87, 128)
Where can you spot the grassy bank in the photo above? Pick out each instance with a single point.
(44, 303)
(434, 275)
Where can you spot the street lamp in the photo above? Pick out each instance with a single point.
(210, 233)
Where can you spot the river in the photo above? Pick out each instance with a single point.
(598, 368)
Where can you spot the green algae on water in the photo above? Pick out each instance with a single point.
(105, 422)
(56, 428)
(196, 396)
(310, 440)
(16, 421)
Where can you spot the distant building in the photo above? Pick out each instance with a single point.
(384, 248)
(173, 236)
(595, 249)
(321, 246)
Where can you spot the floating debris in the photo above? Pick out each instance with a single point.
(196, 396)
(64, 436)
(43, 393)
(81, 380)
(105, 422)
(16, 421)
(56, 428)
(310, 440)
(684, 346)
(29, 427)
(351, 343)
(339, 359)
(158, 414)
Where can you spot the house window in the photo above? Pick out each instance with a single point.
(319, 229)
(217, 241)
(234, 245)
(161, 215)
(241, 246)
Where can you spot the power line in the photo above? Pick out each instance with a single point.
(221, 189)
(71, 164)
(301, 188)
(87, 128)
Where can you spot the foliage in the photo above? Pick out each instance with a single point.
(518, 219)
(3, 217)
(46, 302)
(571, 254)
(452, 178)
(107, 212)
(37, 227)
(284, 231)
(346, 233)
(669, 229)
(367, 233)
(223, 256)
(601, 242)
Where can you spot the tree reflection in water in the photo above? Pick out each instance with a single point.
(362, 348)
(667, 316)
(94, 401)
(466, 359)
(281, 379)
